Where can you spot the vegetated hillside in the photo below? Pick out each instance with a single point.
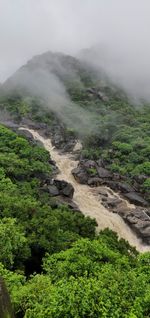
(77, 265)
(75, 272)
(119, 131)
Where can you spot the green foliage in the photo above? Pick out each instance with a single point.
(89, 280)
(92, 171)
(13, 243)
(146, 184)
(122, 147)
(83, 275)
(29, 222)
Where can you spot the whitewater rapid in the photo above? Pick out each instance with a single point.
(86, 200)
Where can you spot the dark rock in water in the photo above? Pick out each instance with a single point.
(68, 191)
(103, 191)
(112, 202)
(122, 206)
(5, 303)
(69, 146)
(80, 175)
(135, 198)
(95, 182)
(103, 173)
(139, 220)
(64, 188)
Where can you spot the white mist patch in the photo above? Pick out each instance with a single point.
(42, 83)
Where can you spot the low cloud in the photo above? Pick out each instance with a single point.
(117, 29)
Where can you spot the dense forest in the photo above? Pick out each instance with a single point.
(52, 260)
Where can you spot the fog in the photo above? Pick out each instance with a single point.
(117, 30)
(42, 84)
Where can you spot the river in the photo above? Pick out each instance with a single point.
(86, 200)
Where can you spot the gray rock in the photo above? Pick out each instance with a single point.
(122, 209)
(124, 187)
(103, 173)
(68, 191)
(103, 191)
(80, 175)
(64, 188)
(139, 221)
(135, 198)
(89, 164)
(113, 202)
(52, 190)
(95, 182)
(100, 163)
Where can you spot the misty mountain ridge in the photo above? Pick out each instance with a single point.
(58, 67)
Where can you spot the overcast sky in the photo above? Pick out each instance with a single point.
(30, 27)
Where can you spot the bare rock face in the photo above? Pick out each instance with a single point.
(89, 164)
(112, 202)
(80, 175)
(64, 188)
(139, 221)
(5, 303)
(95, 182)
(103, 173)
(124, 187)
(135, 198)
(58, 188)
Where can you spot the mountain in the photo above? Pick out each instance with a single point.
(54, 262)
(62, 67)
(61, 90)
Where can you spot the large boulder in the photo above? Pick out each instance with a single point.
(124, 187)
(139, 220)
(95, 182)
(135, 198)
(80, 175)
(64, 188)
(89, 164)
(103, 173)
(52, 190)
(112, 202)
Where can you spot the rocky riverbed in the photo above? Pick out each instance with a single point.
(125, 201)
(114, 194)
(83, 186)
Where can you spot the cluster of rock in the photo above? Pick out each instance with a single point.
(96, 92)
(95, 175)
(61, 190)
